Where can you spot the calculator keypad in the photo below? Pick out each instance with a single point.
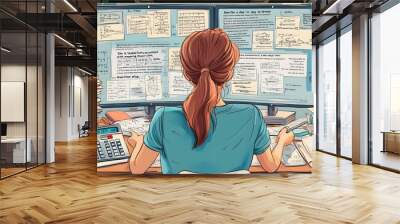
(111, 149)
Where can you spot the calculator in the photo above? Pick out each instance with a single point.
(111, 146)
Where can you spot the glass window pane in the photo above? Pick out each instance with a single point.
(385, 84)
(13, 83)
(327, 96)
(31, 98)
(41, 98)
(346, 94)
(22, 64)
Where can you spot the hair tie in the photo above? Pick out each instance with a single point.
(205, 70)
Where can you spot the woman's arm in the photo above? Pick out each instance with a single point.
(142, 157)
(270, 160)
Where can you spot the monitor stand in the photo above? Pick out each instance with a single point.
(272, 110)
(150, 110)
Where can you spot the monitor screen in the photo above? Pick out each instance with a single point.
(275, 53)
(3, 129)
(139, 64)
(107, 130)
(138, 61)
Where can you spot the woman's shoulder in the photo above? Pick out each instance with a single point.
(244, 107)
(168, 111)
(172, 109)
(171, 116)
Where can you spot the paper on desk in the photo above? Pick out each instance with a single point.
(157, 162)
(138, 125)
(290, 155)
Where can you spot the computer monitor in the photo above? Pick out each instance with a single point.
(141, 67)
(3, 130)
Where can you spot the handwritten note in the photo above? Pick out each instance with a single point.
(243, 87)
(178, 85)
(244, 81)
(287, 22)
(109, 18)
(137, 87)
(153, 87)
(263, 40)
(307, 20)
(239, 24)
(128, 61)
(268, 70)
(293, 39)
(271, 79)
(118, 90)
(245, 69)
(191, 20)
(159, 24)
(295, 65)
(270, 82)
(110, 32)
(174, 61)
(137, 24)
(103, 62)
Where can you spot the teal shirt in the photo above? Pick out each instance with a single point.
(237, 133)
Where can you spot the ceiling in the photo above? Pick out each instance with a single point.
(332, 15)
(72, 20)
(75, 22)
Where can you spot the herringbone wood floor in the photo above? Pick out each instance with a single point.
(70, 191)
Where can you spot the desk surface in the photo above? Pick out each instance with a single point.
(124, 168)
(391, 132)
(155, 168)
(13, 140)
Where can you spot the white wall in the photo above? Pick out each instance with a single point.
(33, 127)
(14, 73)
(70, 84)
(61, 103)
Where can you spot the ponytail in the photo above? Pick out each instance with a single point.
(199, 104)
(207, 59)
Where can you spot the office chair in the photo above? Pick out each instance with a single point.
(84, 130)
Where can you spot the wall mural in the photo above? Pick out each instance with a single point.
(204, 88)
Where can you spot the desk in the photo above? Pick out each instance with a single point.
(124, 168)
(125, 121)
(391, 141)
(16, 148)
(156, 169)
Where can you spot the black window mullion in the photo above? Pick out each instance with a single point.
(316, 97)
(37, 88)
(26, 86)
(369, 81)
(338, 76)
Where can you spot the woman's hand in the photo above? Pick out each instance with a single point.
(284, 137)
(133, 141)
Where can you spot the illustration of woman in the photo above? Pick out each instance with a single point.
(206, 135)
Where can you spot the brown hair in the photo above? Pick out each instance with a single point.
(207, 59)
